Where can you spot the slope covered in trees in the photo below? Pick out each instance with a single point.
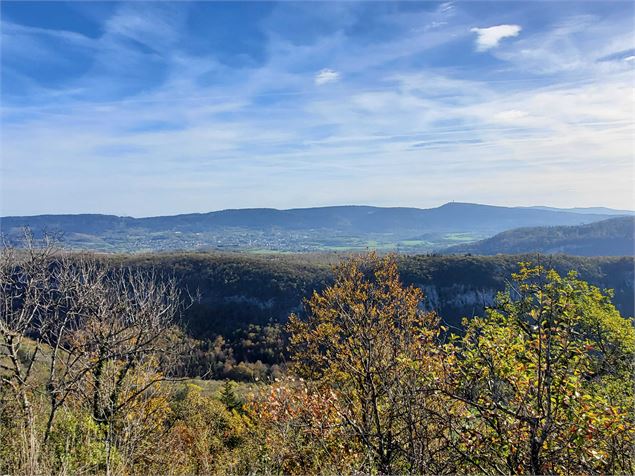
(239, 289)
(538, 383)
(243, 300)
(612, 237)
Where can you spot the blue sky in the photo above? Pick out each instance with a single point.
(160, 108)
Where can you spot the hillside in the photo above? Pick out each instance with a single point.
(240, 289)
(587, 210)
(125, 351)
(612, 237)
(302, 229)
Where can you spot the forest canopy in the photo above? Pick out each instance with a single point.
(92, 358)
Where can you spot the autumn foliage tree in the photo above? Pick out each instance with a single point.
(541, 384)
(539, 374)
(298, 430)
(361, 339)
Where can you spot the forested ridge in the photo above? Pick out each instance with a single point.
(238, 288)
(612, 237)
(243, 300)
(107, 364)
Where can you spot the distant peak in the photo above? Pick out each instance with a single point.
(461, 204)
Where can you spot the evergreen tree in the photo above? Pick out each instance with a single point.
(229, 398)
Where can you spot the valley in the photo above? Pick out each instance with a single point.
(326, 229)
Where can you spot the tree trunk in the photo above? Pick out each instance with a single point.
(534, 451)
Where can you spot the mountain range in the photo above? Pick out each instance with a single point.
(300, 229)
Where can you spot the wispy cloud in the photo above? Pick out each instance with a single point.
(326, 76)
(446, 7)
(490, 37)
(158, 127)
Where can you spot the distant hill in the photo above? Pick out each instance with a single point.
(301, 229)
(612, 237)
(587, 210)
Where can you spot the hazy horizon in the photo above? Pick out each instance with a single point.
(328, 206)
(148, 109)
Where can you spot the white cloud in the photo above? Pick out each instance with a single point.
(588, 45)
(510, 115)
(629, 58)
(488, 38)
(326, 76)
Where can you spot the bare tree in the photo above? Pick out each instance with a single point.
(92, 326)
(25, 301)
(111, 325)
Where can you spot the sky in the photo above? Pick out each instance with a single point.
(158, 108)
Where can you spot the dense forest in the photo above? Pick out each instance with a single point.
(243, 301)
(238, 288)
(107, 365)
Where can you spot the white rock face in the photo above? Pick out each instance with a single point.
(239, 299)
(457, 296)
